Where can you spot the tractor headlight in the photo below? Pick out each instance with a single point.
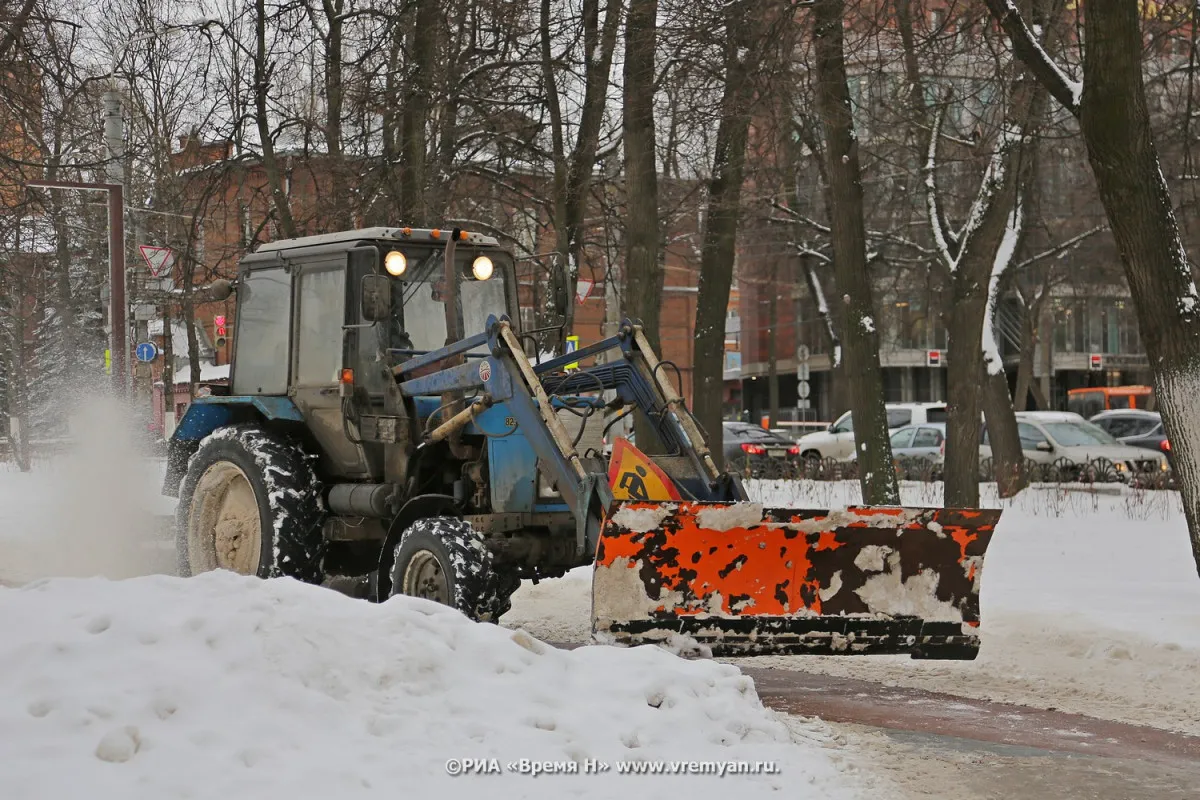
(395, 263)
(482, 268)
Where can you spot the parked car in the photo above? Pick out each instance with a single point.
(764, 452)
(837, 442)
(917, 443)
(1051, 436)
(1136, 428)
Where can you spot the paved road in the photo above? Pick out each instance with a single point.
(939, 745)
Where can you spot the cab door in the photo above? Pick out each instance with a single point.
(318, 357)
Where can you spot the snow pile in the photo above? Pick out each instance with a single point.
(227, 687)
(1090, 604)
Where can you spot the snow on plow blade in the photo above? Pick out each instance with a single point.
(745, 580)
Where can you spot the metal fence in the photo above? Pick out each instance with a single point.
(1064, 471)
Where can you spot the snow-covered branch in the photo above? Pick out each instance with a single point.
(937, 221)
(1060, 249)
(1013, 229)
(1027, 48)
(814, 287)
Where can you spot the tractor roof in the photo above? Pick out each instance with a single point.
(422, 235)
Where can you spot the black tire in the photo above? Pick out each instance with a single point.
(286, 494)
(445, 560)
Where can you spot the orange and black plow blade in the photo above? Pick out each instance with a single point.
(748, 580)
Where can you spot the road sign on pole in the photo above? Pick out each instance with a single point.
(159, 259)
(571, 346)
(146, 351)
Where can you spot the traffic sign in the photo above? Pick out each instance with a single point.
(803, 390)
(146, 351)
(159, 259)
(572, 346)
(803, 371)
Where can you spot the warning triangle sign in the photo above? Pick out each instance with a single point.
(159, 259)
(633, 476)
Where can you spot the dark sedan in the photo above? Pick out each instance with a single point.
(764, 453)
(1136, 428)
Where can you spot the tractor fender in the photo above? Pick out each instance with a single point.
(420, 507)
(205, 415)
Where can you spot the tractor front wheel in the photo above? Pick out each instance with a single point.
(445, 560)
(250, 503)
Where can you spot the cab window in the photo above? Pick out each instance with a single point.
(902, 438)
(261, 334)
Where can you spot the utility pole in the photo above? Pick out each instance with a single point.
(114, 139)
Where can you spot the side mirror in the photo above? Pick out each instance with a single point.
(831, 427)
(1045, 447)
(376, 298)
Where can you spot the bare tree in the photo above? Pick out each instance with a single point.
(1114, 119)
(860, 336)
(742, 41)
(574, 168)
(643, 278)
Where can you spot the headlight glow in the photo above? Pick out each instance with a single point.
(395, 263)
(482, 268)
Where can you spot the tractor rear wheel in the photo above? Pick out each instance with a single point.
(445, 560)
(250, 503)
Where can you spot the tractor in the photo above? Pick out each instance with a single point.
(389, 430)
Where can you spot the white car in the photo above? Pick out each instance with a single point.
(1048, 437)
(837, 442)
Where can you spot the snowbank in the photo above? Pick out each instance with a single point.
(227, 687)
(1091, 604)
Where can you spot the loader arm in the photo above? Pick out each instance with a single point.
(507, 376)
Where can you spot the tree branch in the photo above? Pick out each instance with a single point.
(1027, 48)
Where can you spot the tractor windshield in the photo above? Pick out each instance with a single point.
(423, 315)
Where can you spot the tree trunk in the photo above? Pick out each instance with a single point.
(573, 171)
(720, 228)
(1025, 366)
(1008, 460)
(168, 372)
(338, 189)
(773, 355)
(860, 337)
(423, 41)
(1124, 158)
(18, 391)
(963, 370)
(643, 278)
(262, 86)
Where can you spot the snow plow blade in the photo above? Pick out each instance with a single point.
(746, 580)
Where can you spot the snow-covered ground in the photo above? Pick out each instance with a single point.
(223, 686)
(229, 687)
(1091, 604)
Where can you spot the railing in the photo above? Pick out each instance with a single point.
(1062, 471)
